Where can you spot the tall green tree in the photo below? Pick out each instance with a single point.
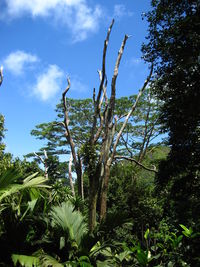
(142, 129)
(173, 45)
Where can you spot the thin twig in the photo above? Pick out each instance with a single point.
(138, 163)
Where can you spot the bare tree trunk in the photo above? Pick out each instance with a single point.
(93, 195)
(44, 162)
(80, 177)
(70, 175)
(103, 128)
(75, 155)
(104, 190)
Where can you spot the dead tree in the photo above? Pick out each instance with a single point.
(75, 153)
(112, 143)
(44, 162)
(100, 150)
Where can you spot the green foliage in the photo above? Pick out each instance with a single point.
(143, 128)
(80, 116)
(61, 233)
(71, 222)
(8, 187)
(173, 46)
(42, 224)
(25, 261)
(131, 194)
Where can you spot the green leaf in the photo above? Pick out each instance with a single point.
(47, 261)
(125, 255)
(187, 232)
(28, 183)
(62, 242)
(146, 234)
(106, 263)
(70, 222)
(25, 261)
(142, 257)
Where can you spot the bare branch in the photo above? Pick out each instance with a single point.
(64, 94)
(38, 156)
(94, 95)
(104, 96)
(138, 163)
(45, 154)
(102, 115)
(130, 113)
(123, 116)
(105, 91)
(103, 71)
(66, 122)
(77, 162)
(1, 75)
(44, 161)
(126, 144)
(114, 78)
(70, 175)
(146, 137)
(59, 123)
(102, 76)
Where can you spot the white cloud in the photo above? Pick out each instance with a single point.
(48, 83)
(16, 61)
(77, 15)
(121, 11)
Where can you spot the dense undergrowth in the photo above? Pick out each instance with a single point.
(42, 224)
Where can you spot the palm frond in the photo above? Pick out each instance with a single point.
(28, 183)
(70, 221)
(8, 177)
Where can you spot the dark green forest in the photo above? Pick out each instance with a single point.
(128, 191)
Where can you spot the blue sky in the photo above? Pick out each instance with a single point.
(43, 41)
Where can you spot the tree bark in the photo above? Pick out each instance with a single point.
(93, 195)
(70, 175)
(75, 155)
(104, 190)
(92, 207)
(108, 143)
(79, 176)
